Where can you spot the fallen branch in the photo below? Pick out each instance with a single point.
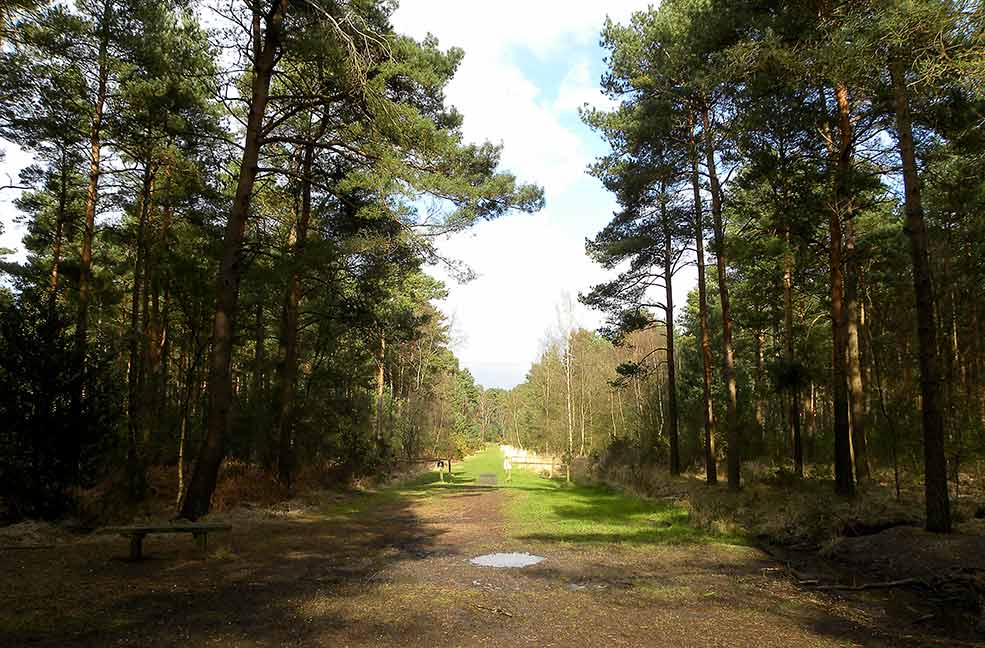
(495, 610)
(798, 577)
(902, 582)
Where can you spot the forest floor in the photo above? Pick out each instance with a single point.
(391, 568)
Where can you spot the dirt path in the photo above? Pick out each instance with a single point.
(398, 574)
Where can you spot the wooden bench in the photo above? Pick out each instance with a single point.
(136, 533)
(487, 479)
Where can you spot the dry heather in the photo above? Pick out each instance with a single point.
(775, 508)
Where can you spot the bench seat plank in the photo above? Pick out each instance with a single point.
(136, 532)
(167, 528)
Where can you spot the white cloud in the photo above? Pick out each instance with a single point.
(501, 105)
(579, 88)
(14, 160)
(543, 26)
(499, 102)
(525, 262)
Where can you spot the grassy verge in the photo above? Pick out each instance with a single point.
(545, 510)
(428, 484)
(550, 511)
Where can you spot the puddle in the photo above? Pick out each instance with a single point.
(506, 560)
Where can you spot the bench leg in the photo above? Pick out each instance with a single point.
(136, 546)
(201, 541)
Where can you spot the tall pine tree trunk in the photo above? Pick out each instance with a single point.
(156, 329)
(290, 320)
(856, 392)
(935, 462)
(760, 409)
(262, 432)
(844, 482)
(711, 466)
(853, 367)
(198, 499)
(672, 431)
(92, 192)
(788, 352)
(287, 374)
(728, 375)
(380, 390)
(136, 418)
(56, 247)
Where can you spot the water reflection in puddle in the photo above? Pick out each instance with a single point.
(505, 560)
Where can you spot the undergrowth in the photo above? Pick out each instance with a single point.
(775, 507)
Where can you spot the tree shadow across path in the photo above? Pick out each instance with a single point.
(255, 589)
(392, 569)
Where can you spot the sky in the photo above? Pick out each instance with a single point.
(529, 65)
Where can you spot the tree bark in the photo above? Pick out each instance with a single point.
(380, 390)
(92, 193)
(581, 408)
(199, 496)
(672, 431)
(135, 401)
(728, 375)
(853, 359)
(612, 413)
(760, 410)
(711, 466)
(788, 350)
(567, 398)
(194, 354)
(935, 462)
(56, 247)
(844, 482)
(156, 336)
(288, 370)
(856, 392)
(263, 433)
(547, 399)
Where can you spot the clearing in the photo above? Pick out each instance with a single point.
(392, 568)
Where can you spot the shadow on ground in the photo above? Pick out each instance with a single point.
(261, 587)
(391, 568)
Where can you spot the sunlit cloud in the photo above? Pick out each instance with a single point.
(528, 68)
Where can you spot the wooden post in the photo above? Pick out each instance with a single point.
(202, 542)
(449, 470)
(136, 546)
